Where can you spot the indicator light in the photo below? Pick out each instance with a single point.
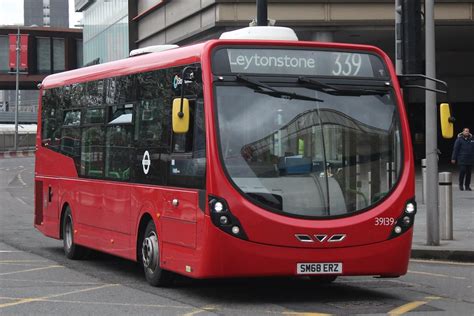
(398, 229)
(406, 220)
(224, 220)
(235, 230)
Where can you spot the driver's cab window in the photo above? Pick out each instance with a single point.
(188, 158)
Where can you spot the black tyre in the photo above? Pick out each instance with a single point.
(323, 279)
(150, 258)
(71, 250)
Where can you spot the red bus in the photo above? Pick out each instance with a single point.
(235, 157)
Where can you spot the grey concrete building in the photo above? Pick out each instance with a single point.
(349, 21)
(53, 13)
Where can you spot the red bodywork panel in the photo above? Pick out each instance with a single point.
(108, 213)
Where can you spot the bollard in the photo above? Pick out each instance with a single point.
(423, 182)
(446, 205)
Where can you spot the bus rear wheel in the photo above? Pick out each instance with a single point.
(150, 258)
(71, 250)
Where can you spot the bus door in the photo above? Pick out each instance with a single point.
(187, 175)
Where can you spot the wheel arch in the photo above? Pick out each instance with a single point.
(61, 219)
(145, 218)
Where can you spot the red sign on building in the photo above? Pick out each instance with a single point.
(23, 52)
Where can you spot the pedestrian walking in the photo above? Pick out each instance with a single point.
(463, 156)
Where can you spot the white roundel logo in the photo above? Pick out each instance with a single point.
(177, 81)
(146, 162)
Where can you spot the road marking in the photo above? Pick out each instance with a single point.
(100, 303)
(437, 275)
(443, 262)
(18, 199)
(53, 282)
(406, 308)
(39, 299)
(7, 251)
(29, 270)
(19, 264)
(411, 306)
(21, 261)
(305, 314)
(210, 308)
(21, 179)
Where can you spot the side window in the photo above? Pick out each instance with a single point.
(51, 119)
(66, 97)
(94, 116)
(77, 95)
(110, 86)
(72, 118)
(152, 124)
(152, 133)
(94, 93)
(118, 142)
(71, 134)
(92, 152)
(120, 90)
(199, 139)
(118, 152)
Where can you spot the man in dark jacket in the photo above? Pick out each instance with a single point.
(463, 155)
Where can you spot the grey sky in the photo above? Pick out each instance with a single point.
(11, 12)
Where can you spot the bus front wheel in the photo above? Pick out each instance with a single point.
(71, 250)
(150, 258)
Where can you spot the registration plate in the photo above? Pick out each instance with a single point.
(319, 268)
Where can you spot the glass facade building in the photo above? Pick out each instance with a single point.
(52, 13)
(105, 31)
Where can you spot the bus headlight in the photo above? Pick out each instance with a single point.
(218, 207)
(406, 219)
(410, 208)
(223, 218)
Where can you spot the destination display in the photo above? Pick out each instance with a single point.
(298, 62)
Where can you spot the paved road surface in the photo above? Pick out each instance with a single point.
(35, 278)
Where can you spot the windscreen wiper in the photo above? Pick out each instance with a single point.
(329, 89)
(266, 89)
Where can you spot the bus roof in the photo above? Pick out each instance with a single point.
(142, 63)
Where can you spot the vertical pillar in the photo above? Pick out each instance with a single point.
(432, 209)
(322, 37)
(17, 88)
(262, 13)
(398, 37)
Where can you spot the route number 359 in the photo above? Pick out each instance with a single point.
(384, 221)
(346, 64)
